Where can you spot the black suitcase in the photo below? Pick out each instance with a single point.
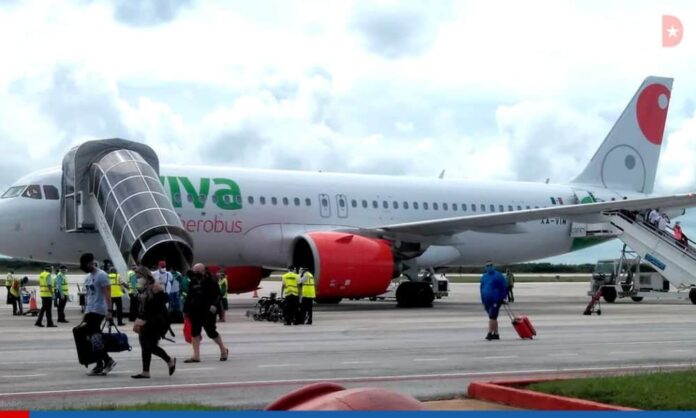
(83, 344)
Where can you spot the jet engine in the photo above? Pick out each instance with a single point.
(242, 279)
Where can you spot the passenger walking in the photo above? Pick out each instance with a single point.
(290, 293)
(174, 289)
(201, 307)
(152, 322)
(97, 308)
(308, 295)
(15, 294)
(222, 283)
(493, 292)
(46, 295)
(680, 236)
(662, 223)
(62, 292)
(116, 294)
(510, 279)
(654, 217)
(132, 293)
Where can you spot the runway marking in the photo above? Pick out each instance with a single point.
(262, 366)
(195, 369)
(430, 359)
(499, 357)
(357, 362)
(618, 353)
(680, 351)
(564, 354)
(123, 372)
(13, 396)
(10, 376)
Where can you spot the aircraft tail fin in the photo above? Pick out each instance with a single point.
(627, 159)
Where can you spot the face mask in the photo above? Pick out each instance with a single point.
(163, 270)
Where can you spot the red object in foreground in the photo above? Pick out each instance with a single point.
(326, 396)
(14, 414)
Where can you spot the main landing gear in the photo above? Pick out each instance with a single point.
(414, 294)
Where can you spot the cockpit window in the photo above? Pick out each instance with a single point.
(51, 192)
(13, 191)
(32, 192)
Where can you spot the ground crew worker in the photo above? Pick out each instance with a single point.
(308, 294)
(132, 293)
(222, 283)
(8, 285)
(291, 293)
(15, 294)
(46, 295)
(116, 294)
(62, 292)
(510, 279)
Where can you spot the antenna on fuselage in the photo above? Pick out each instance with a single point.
(442, 175)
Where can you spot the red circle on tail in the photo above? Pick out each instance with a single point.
(650, 112)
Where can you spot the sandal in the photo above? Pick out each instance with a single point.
(140, 376)
(192, 360)
(227, 353)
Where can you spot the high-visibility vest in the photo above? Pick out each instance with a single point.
(116, 291)
(290, 283)
(45, 285)
(132, 282)
(308, 286)
(223, 286)
(64, 285)
(8, 280)
(15, 288)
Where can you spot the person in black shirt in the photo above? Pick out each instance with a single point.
(201, 305)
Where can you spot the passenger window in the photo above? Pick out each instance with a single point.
(501, 208)
(385, 204)
(415, 205)
(262, 200)
(296, 201)
(176, 197)
(213, 198)
(341, 203)
(444, 206)
(463, 207)
(189, 197)
(32, 192)
(425, 205)
(374, 204)
(324, 202)
(51, 192)
(238, 199)
(435, 207)
(202, 197)
(364, 204)
(354, 203)
(483, 207)
(395, 204)
(405, 205)
(536, 207)
(250, 199)
(492, 208)
(308, 201)
(454, 207)
(510, 208)
(528, 207)
(519, 207)
(274, 201)
(473, 207)
(285, 201)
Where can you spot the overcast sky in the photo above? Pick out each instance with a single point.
(484, 89)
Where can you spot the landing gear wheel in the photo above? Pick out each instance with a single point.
(414, 294)
(404, 295)
(692, 295)
(637, 298)
(609, 294)
(599, 311)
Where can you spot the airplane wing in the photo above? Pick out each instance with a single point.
(503, 222)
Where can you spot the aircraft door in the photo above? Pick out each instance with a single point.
(324, 205)
(342, 206)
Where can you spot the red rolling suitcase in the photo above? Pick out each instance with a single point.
(522, 324)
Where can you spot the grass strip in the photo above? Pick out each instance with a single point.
(648, 391)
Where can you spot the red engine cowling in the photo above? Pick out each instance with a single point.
(345, 265)
(241, 279)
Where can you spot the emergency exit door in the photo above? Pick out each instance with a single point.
(342, 206)
(324, 205)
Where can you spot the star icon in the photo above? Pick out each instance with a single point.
(672, 32)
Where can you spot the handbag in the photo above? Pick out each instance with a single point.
(187, 329)
(114, 342)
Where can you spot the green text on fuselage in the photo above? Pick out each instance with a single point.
(225, 192)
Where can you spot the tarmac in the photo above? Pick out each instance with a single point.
(429, 353)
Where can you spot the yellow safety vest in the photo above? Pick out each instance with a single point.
(15, 288)
(223, 286)
(64, 286)
(45, 286)
(8, 280)
(116, 291)
(308, 286)
(290, 283)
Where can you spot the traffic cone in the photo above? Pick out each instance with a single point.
(33, 308)
(256, 294)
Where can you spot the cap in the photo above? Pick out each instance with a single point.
(162, 264)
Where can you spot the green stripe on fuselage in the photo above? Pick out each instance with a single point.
(585, 242)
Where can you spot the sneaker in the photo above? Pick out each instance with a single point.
(489, 336)
(96, 371)
(109, 365)
(52, 326)
(495, 337)
(38, 325)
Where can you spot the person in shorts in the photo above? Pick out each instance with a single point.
(493, 293)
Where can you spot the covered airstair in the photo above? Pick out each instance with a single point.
(675, 261)
(112, 187)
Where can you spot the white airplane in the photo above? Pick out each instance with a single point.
(355, 232)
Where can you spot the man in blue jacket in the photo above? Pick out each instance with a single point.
(493, 293)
